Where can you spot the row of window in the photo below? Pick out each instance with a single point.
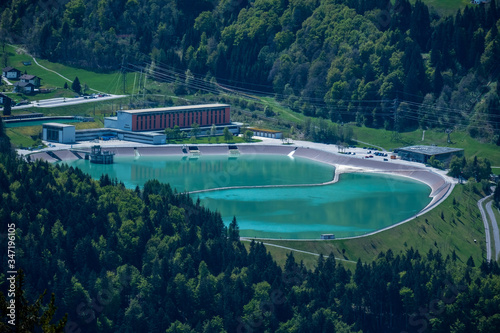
(165, 120)
(52, 134)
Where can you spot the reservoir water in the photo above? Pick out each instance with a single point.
(357, 204)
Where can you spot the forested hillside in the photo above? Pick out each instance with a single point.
(152, 260)
(398, 66)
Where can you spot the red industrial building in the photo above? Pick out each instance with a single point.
(161, 118)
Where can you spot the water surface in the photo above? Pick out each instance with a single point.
(211, 171)
(357, 204)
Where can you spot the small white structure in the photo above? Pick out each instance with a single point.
(327, 236)
(61, 133)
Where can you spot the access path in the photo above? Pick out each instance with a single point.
(50, 70)
(494, 230)
(244, 239)
(486, 227)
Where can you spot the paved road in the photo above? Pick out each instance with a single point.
(494, 227)
(7, 82)
(486, 227)
(54, 102)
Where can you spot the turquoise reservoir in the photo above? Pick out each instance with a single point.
(357, 204)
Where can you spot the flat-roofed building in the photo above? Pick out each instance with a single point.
(161, 118)
(61, 133)
(266, 133)
(423, 154)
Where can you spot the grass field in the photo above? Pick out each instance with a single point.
(456, 232)
(111, 83)
(284, 113)
(446, 7)
(459, 139)
(280, 256)
(21, 136)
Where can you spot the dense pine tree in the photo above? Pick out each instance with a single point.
(75, 86)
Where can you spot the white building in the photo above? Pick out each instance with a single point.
(61, 133)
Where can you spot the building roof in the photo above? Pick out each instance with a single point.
(177, 108)
(430, 150)
(10, 69)
(28, 77)
(23, 84)
(57, 125)
(263, 130)
(4, 96)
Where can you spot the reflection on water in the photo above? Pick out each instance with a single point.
(211, 171)
(358, 204)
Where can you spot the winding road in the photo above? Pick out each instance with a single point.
(495, 247)
(486, 227)
(496, 234)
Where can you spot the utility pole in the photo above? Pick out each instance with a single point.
(124, 75)
(395, 134)
(448, 131)
(144, 89)
(135, 79)
(124, 82)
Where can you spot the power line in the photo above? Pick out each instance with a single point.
(431, 114)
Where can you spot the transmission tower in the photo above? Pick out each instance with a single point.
(395, 134)
(448, 131)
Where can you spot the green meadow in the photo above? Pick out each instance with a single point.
(459, 139)
(111, 83)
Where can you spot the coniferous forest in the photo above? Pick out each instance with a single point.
(343, 60)
(152, 260)
(113, 259)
